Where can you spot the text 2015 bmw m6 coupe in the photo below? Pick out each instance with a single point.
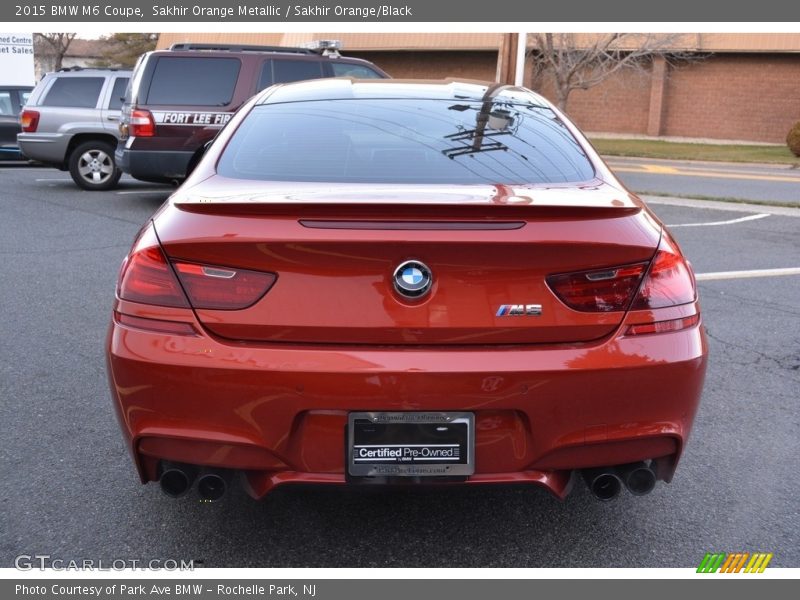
(404, 282)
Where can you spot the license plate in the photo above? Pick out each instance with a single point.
(410, 444)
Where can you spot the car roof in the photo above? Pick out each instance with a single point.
(254, 53)
(340, 88)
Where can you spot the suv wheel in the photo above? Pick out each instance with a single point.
(92, 166)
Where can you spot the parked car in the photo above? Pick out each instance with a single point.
(71, 122)
(180, 98)
(12, 97)
(393, 281)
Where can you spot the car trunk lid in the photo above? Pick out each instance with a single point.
(335, 251)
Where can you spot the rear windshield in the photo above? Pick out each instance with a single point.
(74, 92)
(405, 141)
(193, 81)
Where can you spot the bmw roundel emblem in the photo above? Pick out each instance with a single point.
(412, 279)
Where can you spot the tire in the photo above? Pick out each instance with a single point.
(93, 167)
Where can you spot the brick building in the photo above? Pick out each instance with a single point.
(742, 87)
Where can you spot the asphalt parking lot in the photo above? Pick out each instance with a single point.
(69, 489)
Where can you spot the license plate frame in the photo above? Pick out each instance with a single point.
(410, 444)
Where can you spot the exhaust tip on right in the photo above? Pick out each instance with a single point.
(211, 487)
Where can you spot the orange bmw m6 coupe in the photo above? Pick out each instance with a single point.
(404, 282)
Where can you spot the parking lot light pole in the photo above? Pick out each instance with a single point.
(506, 57)
(519, 71)
(511, 59)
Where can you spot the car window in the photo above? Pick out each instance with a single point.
(193, 81)
(6, 107)
(23, 97)
(76, 92)
(285, 71)
(350, 70)
(405, 141)
(117, 93)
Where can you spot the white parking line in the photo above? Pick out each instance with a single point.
(54, 180)
(728, 222)
(746, 274)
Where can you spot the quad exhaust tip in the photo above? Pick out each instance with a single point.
(605, 483)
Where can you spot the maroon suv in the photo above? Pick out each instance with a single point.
(178, 99)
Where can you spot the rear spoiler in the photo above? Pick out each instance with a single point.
(363, 211)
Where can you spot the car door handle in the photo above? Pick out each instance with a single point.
(112, 118)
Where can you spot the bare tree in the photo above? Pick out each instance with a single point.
(579, 61)
(53, 46)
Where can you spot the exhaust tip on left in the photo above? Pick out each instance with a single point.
(603, 483)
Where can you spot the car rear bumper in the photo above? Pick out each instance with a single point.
(47, 148)
(160, 166)
(278, 413)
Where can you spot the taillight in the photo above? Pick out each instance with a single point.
(222, 288)
(599, 290)
(147, 276)
(669, 281)
(141, 123)
(29, 120)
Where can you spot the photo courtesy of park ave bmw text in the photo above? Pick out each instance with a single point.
(315, 292)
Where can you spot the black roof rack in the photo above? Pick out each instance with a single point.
(241, 48)
(64, 69)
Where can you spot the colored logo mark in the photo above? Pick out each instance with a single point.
(412, 276)
(413, 279)
(736, 562)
